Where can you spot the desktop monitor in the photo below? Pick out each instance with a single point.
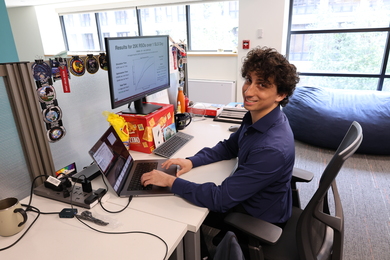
(137, 66)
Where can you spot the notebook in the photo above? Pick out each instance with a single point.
(119, 167)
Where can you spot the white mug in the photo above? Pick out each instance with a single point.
(12, 217)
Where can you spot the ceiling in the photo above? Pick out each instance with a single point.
(23, 3)
(20, 3)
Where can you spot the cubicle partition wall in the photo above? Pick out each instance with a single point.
(24, 152)
(82, 117)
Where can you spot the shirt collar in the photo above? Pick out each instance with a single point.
(264, 123)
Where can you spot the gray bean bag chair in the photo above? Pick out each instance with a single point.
(321, 117)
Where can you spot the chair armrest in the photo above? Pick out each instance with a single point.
(260, 229)
(300, 175)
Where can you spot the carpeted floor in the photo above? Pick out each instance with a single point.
(364, 187)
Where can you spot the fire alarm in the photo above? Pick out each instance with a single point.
(245, 44)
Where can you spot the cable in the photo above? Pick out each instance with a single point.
(28, 208)
(36, 210)
(127, 232)
(114, 212)
(101, 204)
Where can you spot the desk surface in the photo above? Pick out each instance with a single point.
(169, 217)
(206, 133)
(52, 237)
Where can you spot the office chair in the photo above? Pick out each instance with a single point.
(311, 233)
(299, 175)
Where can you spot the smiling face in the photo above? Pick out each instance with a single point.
(260, 96)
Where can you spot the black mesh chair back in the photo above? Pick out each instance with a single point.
(319, 232)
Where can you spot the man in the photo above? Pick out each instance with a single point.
(264, 145)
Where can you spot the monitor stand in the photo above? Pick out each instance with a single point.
(141, 107)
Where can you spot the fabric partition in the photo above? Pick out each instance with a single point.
(21, 91)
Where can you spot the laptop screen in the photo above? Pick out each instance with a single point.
(112, 158)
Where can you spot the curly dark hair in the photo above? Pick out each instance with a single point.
(268, 64)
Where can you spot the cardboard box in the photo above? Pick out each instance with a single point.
(141, 127)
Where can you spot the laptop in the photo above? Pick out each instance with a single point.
(122, 171)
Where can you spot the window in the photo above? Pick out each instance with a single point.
(85, 20)
(81, 32)
(117, 24)
(88, 41)
(341, 43)
(212, 26)
(164, 20)
(120, 17)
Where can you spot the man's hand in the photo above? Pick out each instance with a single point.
(158, 178)
(162, 179)
(184, 164)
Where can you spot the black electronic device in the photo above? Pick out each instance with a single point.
(137, 66)
(68, 213)
(89, 173)
(75, 196)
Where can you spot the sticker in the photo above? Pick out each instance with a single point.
(76, 66)
(55, 72)
(91, 64)
(46, 94)
(158, 136)
(103, 61)
(148, 134)
(152, 123)
(52, 114)
(140, 127)
(41, 71)
(56, 133)
(162, 121)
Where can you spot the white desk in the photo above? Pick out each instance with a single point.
(52, 237)
(206, 133)
(170, 217)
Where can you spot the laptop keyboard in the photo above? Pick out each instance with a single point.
(141, 168)
(173, 144)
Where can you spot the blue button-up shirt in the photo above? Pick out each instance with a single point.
(261, 182)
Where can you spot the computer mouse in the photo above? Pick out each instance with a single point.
(234, 128)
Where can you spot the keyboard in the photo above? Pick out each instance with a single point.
(135, 183)
(231, 115)
(173, 144)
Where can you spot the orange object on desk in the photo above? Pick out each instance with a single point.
(181, 101)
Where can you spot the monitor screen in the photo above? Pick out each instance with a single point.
(137, 66)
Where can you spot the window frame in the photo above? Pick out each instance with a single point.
(185, 16)
(381, 76)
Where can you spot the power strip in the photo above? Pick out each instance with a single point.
(77, 195)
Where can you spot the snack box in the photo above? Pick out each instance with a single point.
(141, 127)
